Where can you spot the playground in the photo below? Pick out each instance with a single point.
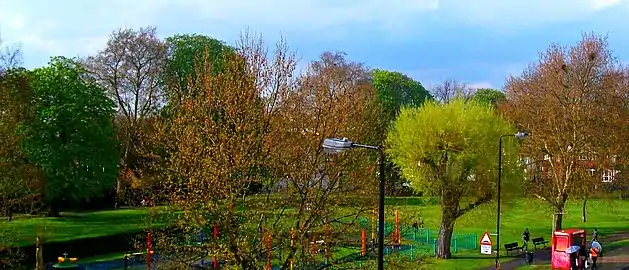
(414, 246)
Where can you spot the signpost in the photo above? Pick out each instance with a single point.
(485, 244)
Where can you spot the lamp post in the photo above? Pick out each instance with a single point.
(334, 146)
(519, 135)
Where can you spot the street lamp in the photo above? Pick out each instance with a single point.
(335, 146)
(519, 135)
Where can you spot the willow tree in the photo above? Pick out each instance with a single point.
(573, 100)
(449, 150)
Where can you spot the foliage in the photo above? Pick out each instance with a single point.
(489, 96)
(449, 150)
(252, 124)
(130, 68)
(573, 102)
(185, 52)
(396, 90)
(19, 180)
(71, 137)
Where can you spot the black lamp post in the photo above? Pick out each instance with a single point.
(519, 135)
(334, 146)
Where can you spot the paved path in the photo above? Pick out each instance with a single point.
(617, 259)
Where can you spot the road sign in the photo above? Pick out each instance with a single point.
(485, 244)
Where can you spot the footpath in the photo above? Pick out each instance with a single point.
(616, 259)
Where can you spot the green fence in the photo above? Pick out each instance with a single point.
(424, 238)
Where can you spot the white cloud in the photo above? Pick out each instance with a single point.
(502, 14)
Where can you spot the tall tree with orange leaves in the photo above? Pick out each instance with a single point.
(573, 101)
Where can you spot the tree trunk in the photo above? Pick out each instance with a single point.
(53, 209)
(445, 235)
(583, 210)
(558, 217)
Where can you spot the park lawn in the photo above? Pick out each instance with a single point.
(71, 226)
(608, 215)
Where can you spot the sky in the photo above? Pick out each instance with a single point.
(477, 42)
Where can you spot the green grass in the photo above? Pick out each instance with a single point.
(72, 226)
(609, 216)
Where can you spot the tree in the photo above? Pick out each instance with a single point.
(10, 57)
(572, 100)
(394, 91)
(451, 89)
(216, 146)
(449, 150)
(71, 138)
(130, 69)
(19, 179)
(489, 96)
(184, 53)
(333, 98)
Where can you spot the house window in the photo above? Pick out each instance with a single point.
(608, 176)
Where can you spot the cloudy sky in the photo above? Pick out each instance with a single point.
(479, 42)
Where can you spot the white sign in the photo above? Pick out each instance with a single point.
(485, 249)
(485, 244)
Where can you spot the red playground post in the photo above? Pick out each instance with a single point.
(363, 239)
(148, 251)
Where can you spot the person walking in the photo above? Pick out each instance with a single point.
(595, 250)
(526, 237)
(583, 253)
(595, 235)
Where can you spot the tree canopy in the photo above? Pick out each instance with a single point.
(71, 138)
(489, 96)
(573, 100)
(449, 150)
(396, 90)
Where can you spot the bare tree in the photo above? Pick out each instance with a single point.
(130, 67)
(10, 56)
(450, 89)
(573, 101)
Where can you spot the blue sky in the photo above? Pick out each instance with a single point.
(478, 42)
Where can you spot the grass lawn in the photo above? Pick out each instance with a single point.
(609, 216)
(75, 225)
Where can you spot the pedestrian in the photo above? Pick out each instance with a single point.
(595, 235)
(526, 237)
(594, 252)
(582, 256)
(574, 260)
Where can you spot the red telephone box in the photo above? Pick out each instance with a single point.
(561, 240)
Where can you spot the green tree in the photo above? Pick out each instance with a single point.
(489, 96)
(396, 90)
(183, 53)
(71, 138)
(449, 151)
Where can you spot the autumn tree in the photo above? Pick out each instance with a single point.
(573, 101)
(489, 96)
(130, 69)
(333, 98)
(449, 150)
(71, 138)
(19, 179)
(217, 145)
(450, 89)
